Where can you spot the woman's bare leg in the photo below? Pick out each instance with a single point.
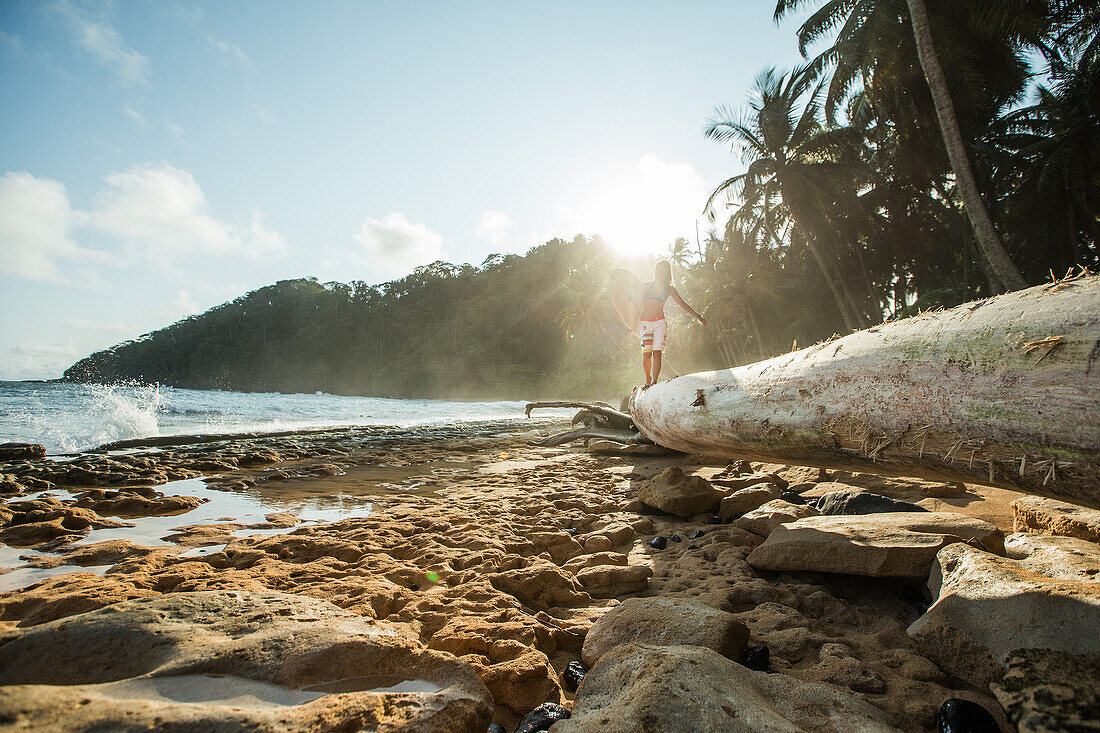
(656, 367)
(646, 361)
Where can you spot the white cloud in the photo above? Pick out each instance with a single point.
(98, 37)
(161, 212)
(134, 115)
(493, 226)
(184, 304)
(233, 51)
(643, 210)
(395, 245)
(35, 221)
(173, 128)
(36, 360)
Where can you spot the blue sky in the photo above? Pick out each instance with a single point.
(159, 158)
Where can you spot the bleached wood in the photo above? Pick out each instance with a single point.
(1003, 392)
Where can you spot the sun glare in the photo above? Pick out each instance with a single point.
(643, 210)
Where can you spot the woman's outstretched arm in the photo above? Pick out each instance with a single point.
(683, 304)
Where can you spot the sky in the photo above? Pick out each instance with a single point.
(160, 158)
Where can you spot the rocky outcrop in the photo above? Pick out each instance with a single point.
(858, 501)
(267, 661)
(676, 493)
(687, 688)
(764, 519)
(665, 622)
(609, 581)
(897, 544)
(1048, 516)
(745, 500)
(988, 607)
(21, 451)
(1044, 691)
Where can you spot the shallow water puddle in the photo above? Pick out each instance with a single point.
(239, 507)
(209, 689)
(375, 683)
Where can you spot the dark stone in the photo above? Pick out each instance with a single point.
(674, 537)
(573, 675)
(862, 502)
(496, 728)
(693, 547)
(715, 520)
(542, 717)
(21, 451)
(792, 497)
(964, 716)
(697, 534)
(757, 658)
(658, 543)
(571, 531)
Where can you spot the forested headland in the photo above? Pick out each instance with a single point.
(905, 166)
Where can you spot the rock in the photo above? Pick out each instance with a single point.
(742, 482)
(747, 499)
(658, 543)
(541, 585)
(1050, 691)
(965, 716)
(21, 451)
(988, 606)
(542, 717)
(1039, 514)
(757, 658)
(1062, 558)
(266, 661)
(618, 533)
(609, 581)
(764, 519)
(676, 493)
(674, 538)
(597, 543)
(574, 675)
(136, 502)
(685, 688)
(896, 544)
(665, 622)
(697, 534)
(599, 558)
(496, 728)
(858, 501)
(837, 665)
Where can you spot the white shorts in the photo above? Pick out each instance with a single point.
(653, 335)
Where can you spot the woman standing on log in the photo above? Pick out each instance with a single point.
(653, 326)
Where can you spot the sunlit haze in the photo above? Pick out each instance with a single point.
(161, 158)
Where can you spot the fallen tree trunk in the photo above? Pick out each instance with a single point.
(1003, 392)
(612, 417)
(604, 433)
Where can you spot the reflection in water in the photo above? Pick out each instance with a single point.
(209, 689)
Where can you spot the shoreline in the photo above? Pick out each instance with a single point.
(480, 545)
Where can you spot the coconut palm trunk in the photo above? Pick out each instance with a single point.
(989, 243)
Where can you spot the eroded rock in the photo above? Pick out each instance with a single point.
(896, 544)
(666, 622)
(256, 660)
(1048, 516)
(764, 519)
(988, 606)
(686, 688)
(746, 499)
(676, 493)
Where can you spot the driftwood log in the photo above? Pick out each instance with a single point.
(597, 419)
(1003, 392)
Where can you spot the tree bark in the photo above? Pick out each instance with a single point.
(990, 244)
(1003, 391)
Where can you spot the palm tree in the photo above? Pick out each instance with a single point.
(796, 176)
(869, 28)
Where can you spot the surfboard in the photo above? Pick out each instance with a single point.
(626, 296)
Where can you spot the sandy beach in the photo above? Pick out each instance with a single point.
(470, 541)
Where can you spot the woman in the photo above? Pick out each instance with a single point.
(654, 328)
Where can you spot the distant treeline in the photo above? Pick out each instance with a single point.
(515, 327)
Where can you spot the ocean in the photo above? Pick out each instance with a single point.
(67, 418)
